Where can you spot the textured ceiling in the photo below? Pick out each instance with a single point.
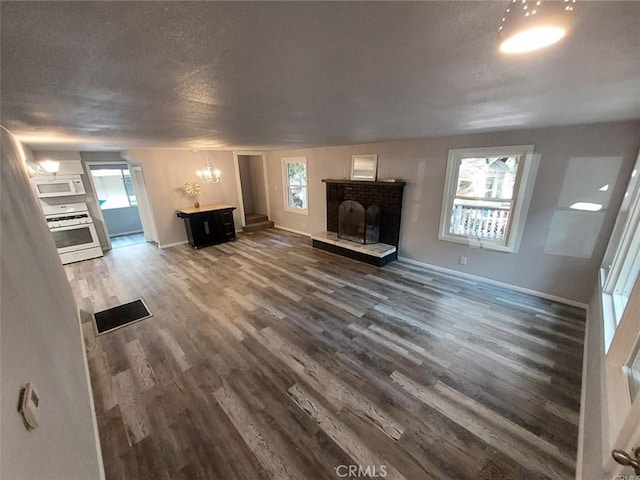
(266, 75)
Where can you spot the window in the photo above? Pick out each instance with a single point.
(114, 187)
(486, 196)
(294, 170)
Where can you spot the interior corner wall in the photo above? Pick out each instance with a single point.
(422, 164)
(166, 171)
(41, 343)
(257, 185)
(247, 181)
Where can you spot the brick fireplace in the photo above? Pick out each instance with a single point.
(385, 195)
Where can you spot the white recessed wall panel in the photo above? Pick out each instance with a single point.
(589, 180)
(574, 233)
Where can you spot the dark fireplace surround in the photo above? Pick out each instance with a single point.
(387, 196)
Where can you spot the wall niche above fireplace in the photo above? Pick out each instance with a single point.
(382, 197)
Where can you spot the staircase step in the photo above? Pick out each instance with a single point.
(254, 227)
(255, 218)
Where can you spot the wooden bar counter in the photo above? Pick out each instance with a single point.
(208, 224)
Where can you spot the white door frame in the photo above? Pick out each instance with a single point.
(620, 416)
(144, 206)
(149, 236)
(621, 428)
(95, 194)
(239, 182)
(147, 210)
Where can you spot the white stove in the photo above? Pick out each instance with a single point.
(73, 231)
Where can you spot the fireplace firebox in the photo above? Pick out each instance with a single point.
(357, 224)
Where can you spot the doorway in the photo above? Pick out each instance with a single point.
(253, 188)
(114, 189)
(610, 410)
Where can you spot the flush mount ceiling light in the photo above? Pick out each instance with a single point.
(528, 25)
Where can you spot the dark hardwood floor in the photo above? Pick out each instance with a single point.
(268, 359)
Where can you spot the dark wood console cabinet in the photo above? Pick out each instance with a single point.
(208, 225)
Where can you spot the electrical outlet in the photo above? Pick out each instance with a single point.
(463, 260)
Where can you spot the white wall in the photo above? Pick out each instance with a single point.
(589, 464)
(422, 164)
(246, 181)
(257, 178)
(41, 343)
(57, 155)
(252, 178)
(165, 172)
(122, 221)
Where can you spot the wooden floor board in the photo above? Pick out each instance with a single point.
(268, 359)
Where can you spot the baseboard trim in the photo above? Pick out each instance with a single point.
(292, 230)
(162, 247)
(92, 404)
(478, 278)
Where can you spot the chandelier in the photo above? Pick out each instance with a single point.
(207, 175)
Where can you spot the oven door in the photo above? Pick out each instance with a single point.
(75, 237)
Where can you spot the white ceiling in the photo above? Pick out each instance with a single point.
(107, 74)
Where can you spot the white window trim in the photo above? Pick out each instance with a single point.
(616, 265)
(521, 198)
(621, 334)
(285, 184)
(625, 253)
